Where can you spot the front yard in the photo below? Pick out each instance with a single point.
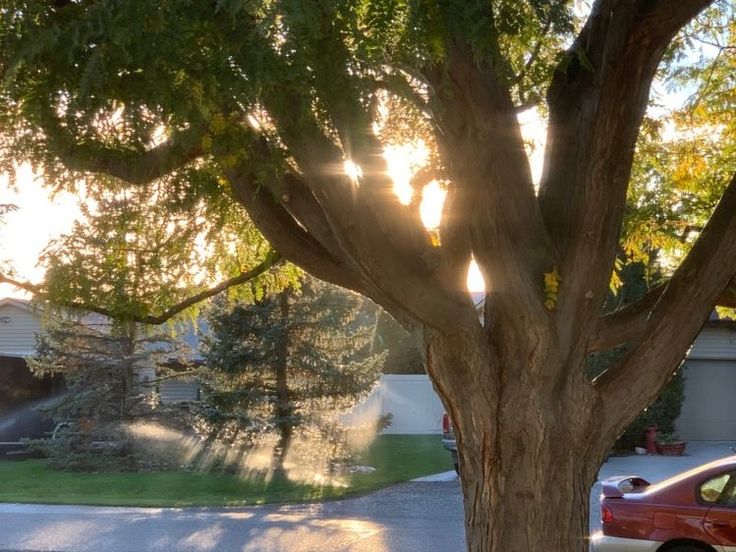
(396, 458)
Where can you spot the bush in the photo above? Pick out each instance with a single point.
(662, 414)
(73, 449)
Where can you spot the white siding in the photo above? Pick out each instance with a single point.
(715, 343)
(18, 329)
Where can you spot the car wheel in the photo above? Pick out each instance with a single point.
(457, 468)
(687, 547)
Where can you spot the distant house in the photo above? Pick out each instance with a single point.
(19, 325)
(709, 410)
(21, 322)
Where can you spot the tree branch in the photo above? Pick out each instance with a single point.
(272, 260)
(137, 168)
(628, 323)
(290, 237)
(481, 143)
(382, 248)
(597, 99)
(625, 324)
(684, 306)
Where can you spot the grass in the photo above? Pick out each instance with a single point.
(396, 458)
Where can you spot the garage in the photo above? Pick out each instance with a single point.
(709, 409)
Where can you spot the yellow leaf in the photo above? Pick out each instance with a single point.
(551, 287)
(434, 236)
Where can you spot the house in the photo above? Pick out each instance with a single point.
(709, 411)
(21, 322)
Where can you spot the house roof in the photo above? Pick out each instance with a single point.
(17, 303)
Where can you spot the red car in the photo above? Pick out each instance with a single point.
(448, 440)
(692, 512)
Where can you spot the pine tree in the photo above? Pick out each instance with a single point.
(288, 364)
(101, 363)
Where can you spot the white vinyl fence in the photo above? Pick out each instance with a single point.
(409, 398)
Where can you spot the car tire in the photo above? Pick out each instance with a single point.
(687, 547)
(457, 468)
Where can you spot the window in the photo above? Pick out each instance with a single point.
(711, 490)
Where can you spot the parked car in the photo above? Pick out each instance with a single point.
(691, 512)
(448, 440)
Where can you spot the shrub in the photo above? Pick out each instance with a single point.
(74, 449)
(662, 414)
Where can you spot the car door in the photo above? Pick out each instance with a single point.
(720, 521)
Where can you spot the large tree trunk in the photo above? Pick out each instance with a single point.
(530, 451)
(516, 508)
(527, 494)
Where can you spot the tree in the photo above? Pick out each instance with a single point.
(103, 364)
(276, 98)
(288, 363)
(636, 279)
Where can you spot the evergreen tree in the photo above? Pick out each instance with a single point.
(101, 364)
(288, 364)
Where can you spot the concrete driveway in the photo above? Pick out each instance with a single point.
(412, 516)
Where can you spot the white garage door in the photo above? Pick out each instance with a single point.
(709, 409)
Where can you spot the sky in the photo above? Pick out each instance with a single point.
(25, 232)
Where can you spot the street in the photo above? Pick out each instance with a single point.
(407, 517)
(411, 516)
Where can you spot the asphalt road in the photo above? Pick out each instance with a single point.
(414, 516)
(407, 517)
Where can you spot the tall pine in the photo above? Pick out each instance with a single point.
(287, 365)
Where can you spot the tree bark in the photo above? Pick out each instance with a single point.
(127, 369)
(516, 509)
(284, 408)
(528, 439)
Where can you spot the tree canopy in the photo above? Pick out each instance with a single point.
(265, 104)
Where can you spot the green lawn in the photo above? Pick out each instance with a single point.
(396, 458)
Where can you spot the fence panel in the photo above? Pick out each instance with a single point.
(409, 398)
